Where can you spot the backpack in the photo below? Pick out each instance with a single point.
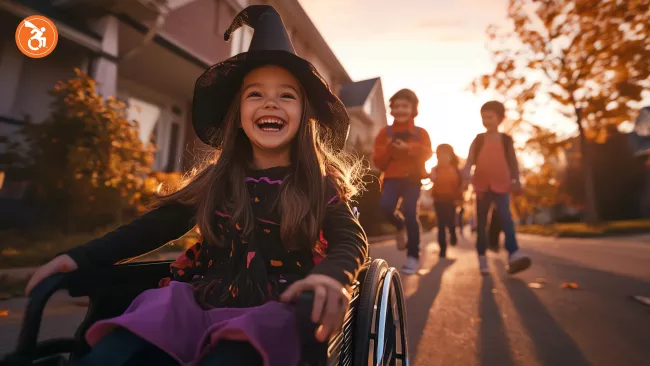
(448, 183)
(508, 147)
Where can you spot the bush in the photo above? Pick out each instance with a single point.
(86, 163)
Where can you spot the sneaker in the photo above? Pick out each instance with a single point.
(411, 266)
(483, 265)
(518, 262)
(400, 238)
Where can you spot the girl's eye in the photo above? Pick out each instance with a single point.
(254, 94)
(287, 95)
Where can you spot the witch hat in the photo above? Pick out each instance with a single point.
(270, 45)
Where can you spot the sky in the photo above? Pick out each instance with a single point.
(434, 47)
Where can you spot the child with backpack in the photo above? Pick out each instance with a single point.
(400, 152)
(447, 193)
(496, 175)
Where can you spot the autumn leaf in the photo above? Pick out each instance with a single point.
(570, 285)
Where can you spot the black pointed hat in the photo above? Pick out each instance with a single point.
(215, 89)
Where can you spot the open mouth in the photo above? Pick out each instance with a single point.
(270, 124)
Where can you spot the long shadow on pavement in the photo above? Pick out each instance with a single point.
(419, 304)
(494, 347)
(601, 306)
(554, 346)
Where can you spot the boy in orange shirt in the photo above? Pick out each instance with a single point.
(495, 177)
(400, 152)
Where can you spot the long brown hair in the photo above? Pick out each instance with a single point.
(219, 184)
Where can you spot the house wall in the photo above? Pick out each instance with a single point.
(378, 112)
(199, 27)
(25, 83)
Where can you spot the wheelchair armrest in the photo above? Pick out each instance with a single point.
(88, 282)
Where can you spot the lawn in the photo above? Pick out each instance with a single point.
(582, 230)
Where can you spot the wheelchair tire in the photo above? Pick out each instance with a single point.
(391, 308)
(381, 305)
(368, 298)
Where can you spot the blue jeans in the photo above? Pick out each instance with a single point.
(409, 191)
(484, 201)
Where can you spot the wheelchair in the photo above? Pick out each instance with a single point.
(373, 332)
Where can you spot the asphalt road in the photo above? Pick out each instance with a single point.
(458, 317)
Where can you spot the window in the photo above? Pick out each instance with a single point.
(147, 116)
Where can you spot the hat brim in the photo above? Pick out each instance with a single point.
(217, 86)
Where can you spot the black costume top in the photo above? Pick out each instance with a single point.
(241, 271)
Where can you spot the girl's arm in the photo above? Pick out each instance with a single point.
(347, 248)
(145, 234)
(467, 169)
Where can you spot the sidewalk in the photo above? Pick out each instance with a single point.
(641, 239)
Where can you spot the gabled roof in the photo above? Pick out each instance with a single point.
(356, 93)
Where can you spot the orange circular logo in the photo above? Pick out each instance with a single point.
(36, 36)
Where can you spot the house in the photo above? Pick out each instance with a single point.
(364, 101)
(618, 177)
(149, 54)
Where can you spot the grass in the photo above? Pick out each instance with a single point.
(37, 247)
(582, 230)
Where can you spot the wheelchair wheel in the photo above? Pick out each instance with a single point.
(380, 332)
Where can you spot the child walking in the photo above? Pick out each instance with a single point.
(400, 152)
(447, 193)
(273, 214)
(496, 175)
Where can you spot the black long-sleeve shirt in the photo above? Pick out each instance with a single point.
(346, 242)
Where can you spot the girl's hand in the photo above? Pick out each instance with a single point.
(62, 263)
(331, 301)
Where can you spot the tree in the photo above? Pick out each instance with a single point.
(86, 162)
(541, 191)
(589, 58)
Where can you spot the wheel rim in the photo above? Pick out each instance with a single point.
(390, 306)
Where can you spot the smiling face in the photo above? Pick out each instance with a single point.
(402, 110)
(271, 113)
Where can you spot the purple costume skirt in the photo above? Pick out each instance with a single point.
(170, 318)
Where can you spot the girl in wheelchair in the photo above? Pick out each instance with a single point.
(273, 214)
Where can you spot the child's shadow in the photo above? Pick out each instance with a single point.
(421, 300)
(554, 346)
(493, 347)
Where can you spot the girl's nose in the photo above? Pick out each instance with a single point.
(270, 104)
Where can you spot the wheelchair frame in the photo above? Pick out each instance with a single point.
(370, 324)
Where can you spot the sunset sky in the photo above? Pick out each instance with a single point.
(433, 47)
